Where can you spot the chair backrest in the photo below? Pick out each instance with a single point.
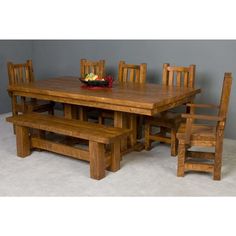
(20, 73)
(96, 67)
(132, 73)
(178, 75)
(225, 95)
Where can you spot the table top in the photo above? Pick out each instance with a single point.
(146, 99)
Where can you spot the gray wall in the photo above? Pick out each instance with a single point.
(16, 51)
(212, 58)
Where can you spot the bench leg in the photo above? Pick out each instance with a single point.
(115, 157)
(97, 160)
(22, 141)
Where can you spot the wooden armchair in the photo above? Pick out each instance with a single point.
(23, 73)
(191, 134)
(128, 73)
(169, 121)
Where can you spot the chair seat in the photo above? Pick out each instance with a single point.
(198, 132)
(37, 105)
(107, 114)
(166, 119)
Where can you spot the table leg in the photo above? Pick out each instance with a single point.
(128, 120)
(70, 111)
(133, 127)
(134, 144)
(120, 120)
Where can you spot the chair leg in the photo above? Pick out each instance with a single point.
(174, 143)
(147, 129)
(163, 131)
(181, 159)
(100, 119)
(14, 111)
(139, 126)
(218, 161)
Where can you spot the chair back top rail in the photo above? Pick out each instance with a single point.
(178, 75)
(132, 73)
(20, 73)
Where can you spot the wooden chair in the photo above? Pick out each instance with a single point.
(169, 121)
(86, 67)
(96, 67)
(192, 134)
(132, 73)
(23, 73)
(128, 73)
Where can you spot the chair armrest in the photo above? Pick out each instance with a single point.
(202, 105)
(203, 117)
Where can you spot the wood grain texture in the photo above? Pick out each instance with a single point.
(97, 160)
(86, 67)
(192, 134)
(146, 99)
(129, 98)
(74, 128)
(180, 77)
(24, 74)
(97, 135)
(128, 73)
(22, 141)
(89, 66)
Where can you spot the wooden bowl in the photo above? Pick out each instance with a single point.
(98, 83)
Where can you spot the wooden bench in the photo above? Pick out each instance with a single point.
(97, 135)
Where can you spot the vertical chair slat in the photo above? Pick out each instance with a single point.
(125, 74)
(143, 72)
(192, 76)
(20, 73)
(82, 72)
(132, 79)
(171, 78)
(165, 74)
(16, 75)
(186, 79)
(178, 78)
(137, 75)
(27, 75)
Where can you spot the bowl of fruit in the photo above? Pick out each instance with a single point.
(93, 80)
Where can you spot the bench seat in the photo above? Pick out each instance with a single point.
(97, 135)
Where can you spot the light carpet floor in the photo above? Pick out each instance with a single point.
(143, 173)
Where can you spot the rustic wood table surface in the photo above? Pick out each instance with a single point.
(126, 100)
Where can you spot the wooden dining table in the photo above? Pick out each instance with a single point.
(127, 100)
